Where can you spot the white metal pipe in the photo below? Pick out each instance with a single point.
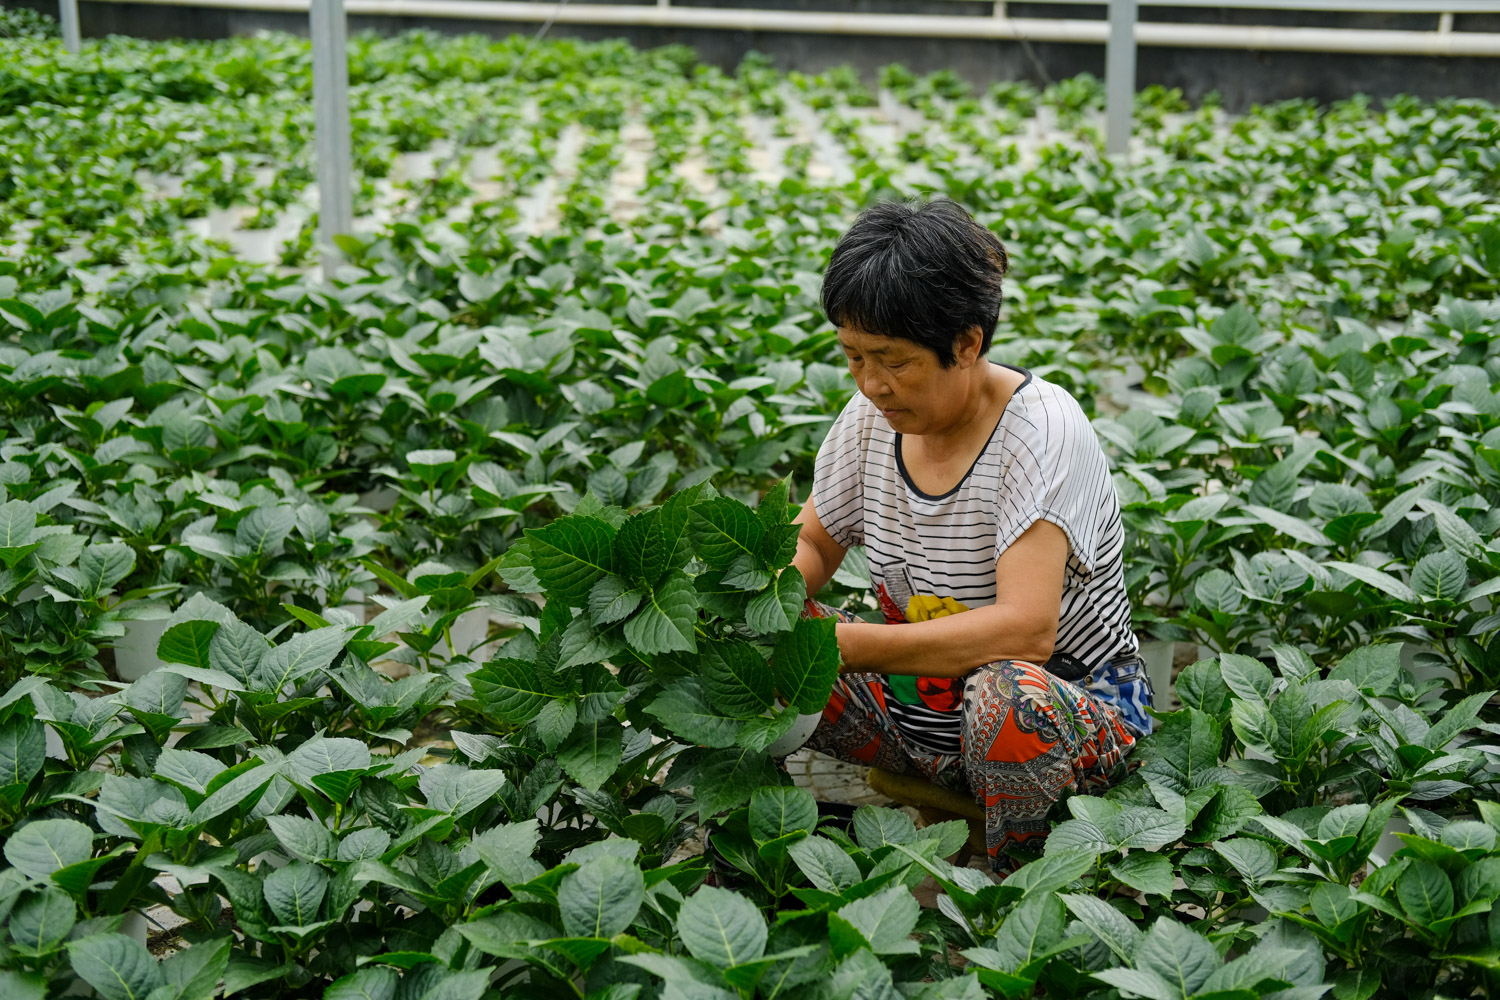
(327, 26)
(1332, 6)
(1201, 36)
(1119, 77)
(67, 20)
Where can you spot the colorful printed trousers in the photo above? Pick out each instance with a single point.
(1027, 738)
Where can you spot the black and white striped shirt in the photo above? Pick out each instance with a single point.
(1042, 462)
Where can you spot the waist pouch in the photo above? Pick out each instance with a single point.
(1070, 668)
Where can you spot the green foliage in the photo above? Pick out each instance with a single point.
(307, 492)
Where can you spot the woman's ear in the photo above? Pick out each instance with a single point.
(967, 347)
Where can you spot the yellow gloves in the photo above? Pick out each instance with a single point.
(923, 608)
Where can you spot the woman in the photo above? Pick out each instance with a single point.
(993, 532)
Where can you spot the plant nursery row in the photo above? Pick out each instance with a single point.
(405, 628)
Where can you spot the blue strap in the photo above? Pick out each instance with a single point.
(1123, 683)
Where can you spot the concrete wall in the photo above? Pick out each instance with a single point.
(1242, 78)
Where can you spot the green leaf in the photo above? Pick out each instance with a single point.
(726, 778)
(825, 864)
(1425, 892)
(23, 750)
(776, 608)
(1246, 676)
(244, 784)
(1219, 592)
(1440, 576)
(103, 566)
(601, 898)
(805, 664)
(736, 678)
(1231, 807)
(1254, 859)
(456, 789)
(262, 530)
(370, 983)
(876, 827)
(684, 709)
(1286, 524)
(780, 810)
(773, 507)
(513, 692)
(301, 655)
(1140, 983)
(188, 769)
(721, 927)
(724, 529)
(1146, 828)
(188, 643)
(570, 555)
(1052, 872)
(612, 599)
(322, 755)
(1034, 930)
(304, 839)
(640, 548)
(1201, 686)
(237, 650)
(194, 973)
(117, 966)
(593, 752)
(41, 921)
(44, 846)
(295, 892)
(665, 623)
(882, 922)
(1381, 581)
(1180, 956)
(17, 521)
(1146, 872)
(1370, 668)
(1106, 923)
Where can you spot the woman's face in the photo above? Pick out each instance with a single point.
(915, 393)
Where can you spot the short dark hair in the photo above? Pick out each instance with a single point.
(924, 272)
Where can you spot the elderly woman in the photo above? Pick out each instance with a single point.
(984, 502)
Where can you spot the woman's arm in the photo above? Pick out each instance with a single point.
(1020, 625)
(818, 555)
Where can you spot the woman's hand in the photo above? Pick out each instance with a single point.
(1020, 625)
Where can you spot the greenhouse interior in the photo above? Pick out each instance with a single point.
(712, 500)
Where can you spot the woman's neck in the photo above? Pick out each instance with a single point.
(988, 392)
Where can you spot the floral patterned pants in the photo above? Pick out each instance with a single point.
(1027, 738)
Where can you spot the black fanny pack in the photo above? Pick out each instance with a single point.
(1070, 668)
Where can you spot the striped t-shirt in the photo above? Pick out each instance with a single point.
(1042, 462)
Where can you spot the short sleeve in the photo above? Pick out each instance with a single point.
(838, 476)
(1055, 471)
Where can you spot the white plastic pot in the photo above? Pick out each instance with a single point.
(1157, 655)
(467, 631)
(1421, 672)
(1389, 843)
(380, 500)
(135, 652)
(799, 734)
(136, 926)
(55, 749)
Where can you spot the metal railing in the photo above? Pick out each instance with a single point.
(1121, 32)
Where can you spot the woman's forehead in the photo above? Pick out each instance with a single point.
(851, 338)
